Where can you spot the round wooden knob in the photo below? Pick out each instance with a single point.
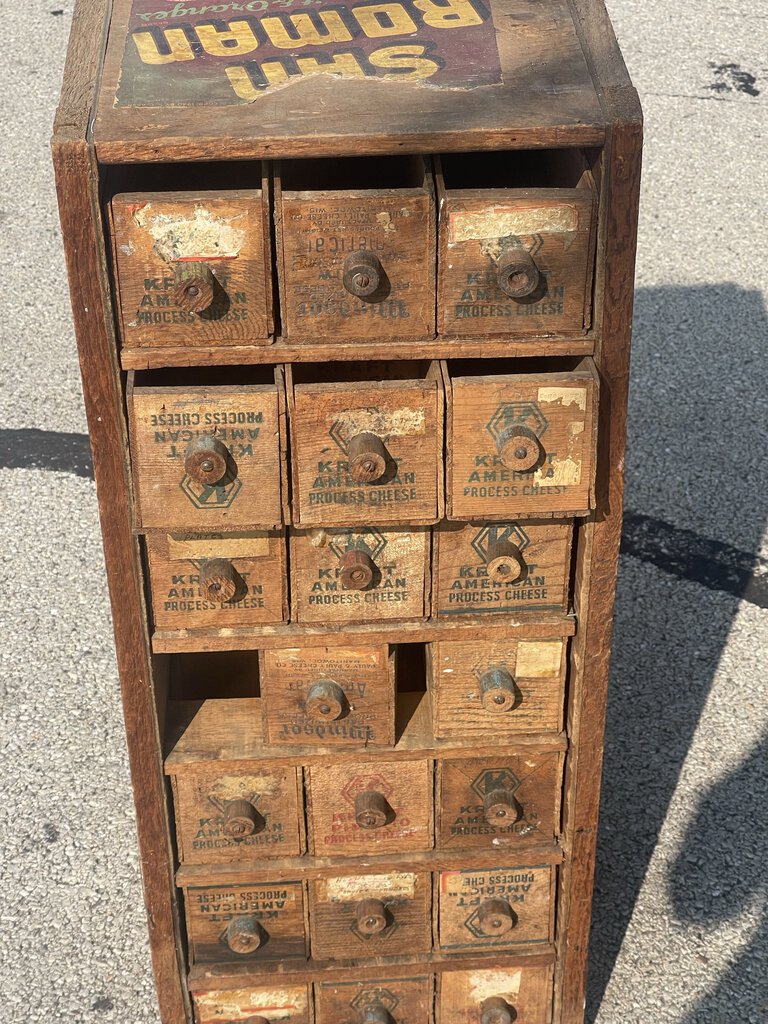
(367, 458)
(357, 569)
(206, 459)
(505, 562)
(194, 285)
(256, 1020)
(362, 274)
(500, 807)
(519, 448)
(245, 935)
(326, 701)
(495, 917)
(219, 580)
(497, 690)
(374, 1013)
(496, 1011)
(371, 809)
(517, 274)
(241, 819)
(371, 917)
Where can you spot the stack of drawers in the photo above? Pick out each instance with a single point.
(363, 546)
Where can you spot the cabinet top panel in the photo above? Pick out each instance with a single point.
(242, 79)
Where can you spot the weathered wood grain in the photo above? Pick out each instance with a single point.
(526, 992)
(286, 1004)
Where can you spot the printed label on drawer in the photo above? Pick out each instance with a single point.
(285, 1005)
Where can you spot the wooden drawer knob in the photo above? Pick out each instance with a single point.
(362, 274)
(367, 458)
(194, 285)
(256, 1020)
(219, 580)
(517, 274)
(497, 690)
(206, 460)
(505, 562)
(372, 809)
(501, 808)
(241, 819)
(519, 448)
(495, 917)
(357, 569)
(371, 917)
(496, 1011)
(374, 1013)
(326, 701)
(245, 935)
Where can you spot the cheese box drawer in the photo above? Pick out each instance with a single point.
(383, 1001)
(501, 568)
(361, 809)
(245, 814)
(495, 908)
(242, 923)
(500, 995)
(361, 574)
(490, 689)
(217, 580)
(329, 696)
(194, 269)
(281, 1004)
(366, 443)
(356, 248)
(516, 248)
(498, 802)
(520, 443)
(208, 455)
(370, 915)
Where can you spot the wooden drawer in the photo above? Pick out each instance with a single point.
(360, 574)
(244, 814)
(520, 443)
(384, 1001)
(360, 809)
(370, 915)
(264, 921)
(366, 443)
(497, 802)
(283, 1004)
(495, 908)
(500, 995)
(516, 248)
(190, 573)
(194, 269)
(208, 456)
(329, 696)
(488, 689)
(501, 567)
(356, 248)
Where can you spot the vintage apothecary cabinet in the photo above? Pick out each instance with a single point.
(352, 286)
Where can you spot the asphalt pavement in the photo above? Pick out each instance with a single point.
(681, 907)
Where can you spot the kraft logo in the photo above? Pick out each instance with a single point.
(370, 996)
(494, 778)
(368, 540)
(495, 534)
(338, 434)
(360, 783)
(210, 495)
(517, 414)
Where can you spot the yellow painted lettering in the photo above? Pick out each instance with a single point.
(242, 84)
(341, 64)
(379, 20)
(238, 38)
(448, 13)
(296, 30)
(177, 43)
(407, 62)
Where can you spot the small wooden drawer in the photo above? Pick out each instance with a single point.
(383, 1001)
(356, 248)
(206, 455)
(495, 908)
(360, 809)
(360, 574)
(498, 802)
(244, 814)
(495, 996)
(520, 443)
(194, 269)
(370, 915)
(265, 921)
(366, 443)
(501, 567)
(516, 249)
(203, 581)
(487, 688)
(329, 696)
(283, 1004)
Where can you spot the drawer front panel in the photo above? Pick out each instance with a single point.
(278, 1003)
(397, 1001)
(482, 997)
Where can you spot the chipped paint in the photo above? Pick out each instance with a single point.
(244, 787)
(200, 235)
(240, 1004)
(396, 885)
(538, 659)
(485, 984)
(383, 422)
(497, 221)
(384, 220)
(560, 472)
(565, 396)
(218, 545)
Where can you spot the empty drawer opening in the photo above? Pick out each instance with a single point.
(204, 377)
(349, 373)
(214, 675)
(354, 174)
(503, 367)
(555, 168)
(215, 176)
